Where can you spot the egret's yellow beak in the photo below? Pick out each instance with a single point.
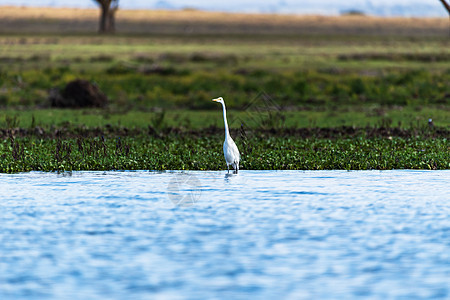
(216, 100)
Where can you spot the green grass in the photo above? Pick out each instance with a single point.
(357, 116)
(175, 71)
(186, 89)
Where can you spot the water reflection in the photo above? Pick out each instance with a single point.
(229, 176)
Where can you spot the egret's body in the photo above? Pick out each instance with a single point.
(230, 150)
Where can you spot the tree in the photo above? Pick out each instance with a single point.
(107, 15)
(446, 5)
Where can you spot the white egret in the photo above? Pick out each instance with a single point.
(230, 150)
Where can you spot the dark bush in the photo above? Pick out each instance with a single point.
(77, 94)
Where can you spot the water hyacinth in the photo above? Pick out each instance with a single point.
(174, 152)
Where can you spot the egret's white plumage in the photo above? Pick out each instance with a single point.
(230, 150)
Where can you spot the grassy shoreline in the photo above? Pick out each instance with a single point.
(317, 149)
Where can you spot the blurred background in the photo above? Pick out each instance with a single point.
(430, 8)
(348, 63)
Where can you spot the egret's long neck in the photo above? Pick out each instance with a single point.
(227, 132)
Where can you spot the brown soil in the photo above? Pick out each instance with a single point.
(304, 133)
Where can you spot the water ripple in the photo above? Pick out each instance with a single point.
(259, 234)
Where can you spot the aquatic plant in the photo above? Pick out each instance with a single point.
(175, 152)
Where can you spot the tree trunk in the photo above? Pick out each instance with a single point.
(111, 20)
(103, 27)
(107, 15)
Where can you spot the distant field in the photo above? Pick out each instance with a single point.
(60, 20)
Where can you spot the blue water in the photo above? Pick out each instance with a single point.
(206, 235)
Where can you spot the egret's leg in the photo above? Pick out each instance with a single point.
(235, 167)
(228, 168)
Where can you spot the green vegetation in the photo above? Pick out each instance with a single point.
(299, 117)
(297, 100)
(141, 73)
(205, 153)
